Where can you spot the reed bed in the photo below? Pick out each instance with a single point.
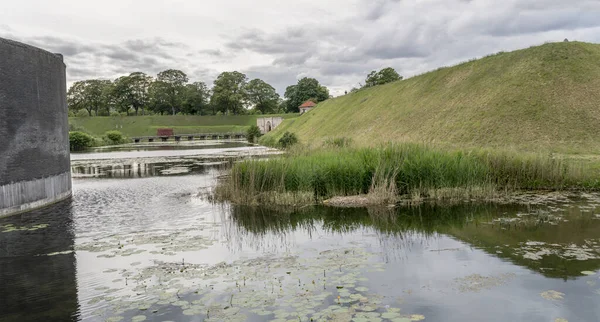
(391, 172)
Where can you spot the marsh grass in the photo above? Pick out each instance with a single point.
(392, 172)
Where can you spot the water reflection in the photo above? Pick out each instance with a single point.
(155, 247)
(164, 146)
(140, 169)
(35, 286)
(509, 232)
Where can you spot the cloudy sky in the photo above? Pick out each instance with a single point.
(336, 41)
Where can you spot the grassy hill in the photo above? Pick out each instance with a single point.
(133, 126)
(544, 98)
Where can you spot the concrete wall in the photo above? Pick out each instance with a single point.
(34, 129)
(264, 123)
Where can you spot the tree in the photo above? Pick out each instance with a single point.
(384, 76)
(262, 95)
(159, 99)
(306, 89)
(196, 98)
(91, 95)
(170, 87)
(253, 133)
(229, 93)
(132, 92)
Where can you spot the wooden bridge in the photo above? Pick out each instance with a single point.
(190, 137)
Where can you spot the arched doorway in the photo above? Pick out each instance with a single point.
(268, 126)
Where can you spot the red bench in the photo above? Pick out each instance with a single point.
(164, 132)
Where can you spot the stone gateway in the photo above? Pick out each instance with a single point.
(267, 124)
(34, 129)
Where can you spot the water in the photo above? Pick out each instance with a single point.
(137, 244)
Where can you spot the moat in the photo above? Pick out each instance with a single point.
(141, 241)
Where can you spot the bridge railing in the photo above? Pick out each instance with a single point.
(191, 137)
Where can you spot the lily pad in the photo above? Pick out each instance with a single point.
(138, 318)
(552, 295)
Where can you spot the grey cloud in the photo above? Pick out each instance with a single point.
(376, 9)
(293, 59)
(543, 21)
(212, 52)
(107, 61)
(279, 78)
(288, 41)
(412, 36)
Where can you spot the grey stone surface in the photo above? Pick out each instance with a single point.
(34, 137)
(268, 124)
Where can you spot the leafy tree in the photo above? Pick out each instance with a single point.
(384, 76)
(229, 93)
(159, 99)
(132, 92)
(91, 95)
(79, 141)
(114, 137)
(262, 95)
(306, 89)
(168, 90)
(288, 139)
(253, 133)
(282, 106)
(196, 98)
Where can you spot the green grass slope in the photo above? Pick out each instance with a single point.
(544, 98)
(133, 126)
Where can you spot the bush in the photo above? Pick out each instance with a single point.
(114, 137)
(80, 141)
(82, 113)
(288, 139)
(113, 113)
(71, 114)
(253, 133)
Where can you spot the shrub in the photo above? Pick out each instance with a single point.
(82, 113)
(80, 141)
(253, 133)
(114, 137)
(71, 114)
(113, 113)
(288, 139)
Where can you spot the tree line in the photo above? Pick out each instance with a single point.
(170, 92)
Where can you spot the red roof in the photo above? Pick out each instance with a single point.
(308, 104)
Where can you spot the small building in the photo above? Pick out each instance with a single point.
(307, 106)
(267, 124)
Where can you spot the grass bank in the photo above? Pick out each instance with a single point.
(539, 99)
(132, 126)
(390, 173)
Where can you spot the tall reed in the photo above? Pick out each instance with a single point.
(310, 176)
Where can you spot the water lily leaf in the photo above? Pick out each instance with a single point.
(138, 318)
(390, 315)
(114, 319)
(552, 295)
